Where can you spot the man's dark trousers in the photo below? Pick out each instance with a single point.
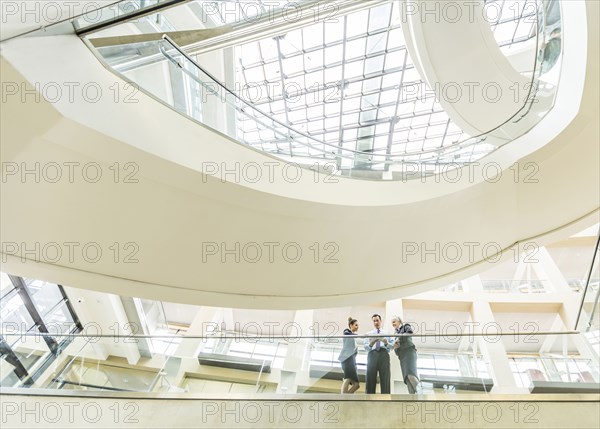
(378, 361)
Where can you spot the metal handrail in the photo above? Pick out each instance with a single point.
(295, 337)
(336, 154)
(224, 87)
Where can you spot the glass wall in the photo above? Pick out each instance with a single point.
(40, 310)
(527, 369)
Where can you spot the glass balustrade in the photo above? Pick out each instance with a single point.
(526, 349)
(226, 362)
(589, 313)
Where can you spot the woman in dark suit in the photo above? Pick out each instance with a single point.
(348, 358)
(407, 354)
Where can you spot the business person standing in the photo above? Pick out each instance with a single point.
(407, 354)
(347, 357)
(378, 358)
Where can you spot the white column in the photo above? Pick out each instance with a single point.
(103, 313)
(293, 367)
(568, 314)
(206, 321)
(493, 350)
(546, 268)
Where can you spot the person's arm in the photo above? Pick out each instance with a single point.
(387, 342)
(367, 344)
(370, 342)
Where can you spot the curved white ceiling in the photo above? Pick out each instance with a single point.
(379, 232)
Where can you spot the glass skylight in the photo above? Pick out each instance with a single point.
(512, 21)
(349, 82)
(343, 89)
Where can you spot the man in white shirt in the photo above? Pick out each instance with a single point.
(378, 358)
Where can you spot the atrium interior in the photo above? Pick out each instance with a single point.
(197, 195)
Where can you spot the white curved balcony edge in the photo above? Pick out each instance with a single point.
(174, 207)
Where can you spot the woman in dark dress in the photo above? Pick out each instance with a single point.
(347, 357)
(407, 354)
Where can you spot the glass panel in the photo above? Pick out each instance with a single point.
(14, 317)
(589, 319)
(45, 295)
(236, 362)
(8, 375)
(59, 319)
(94, 375)
(357, 23)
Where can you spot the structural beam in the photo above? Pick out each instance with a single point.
(126, 17)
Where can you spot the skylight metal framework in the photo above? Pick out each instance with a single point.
(350, 82)
(512, 21)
